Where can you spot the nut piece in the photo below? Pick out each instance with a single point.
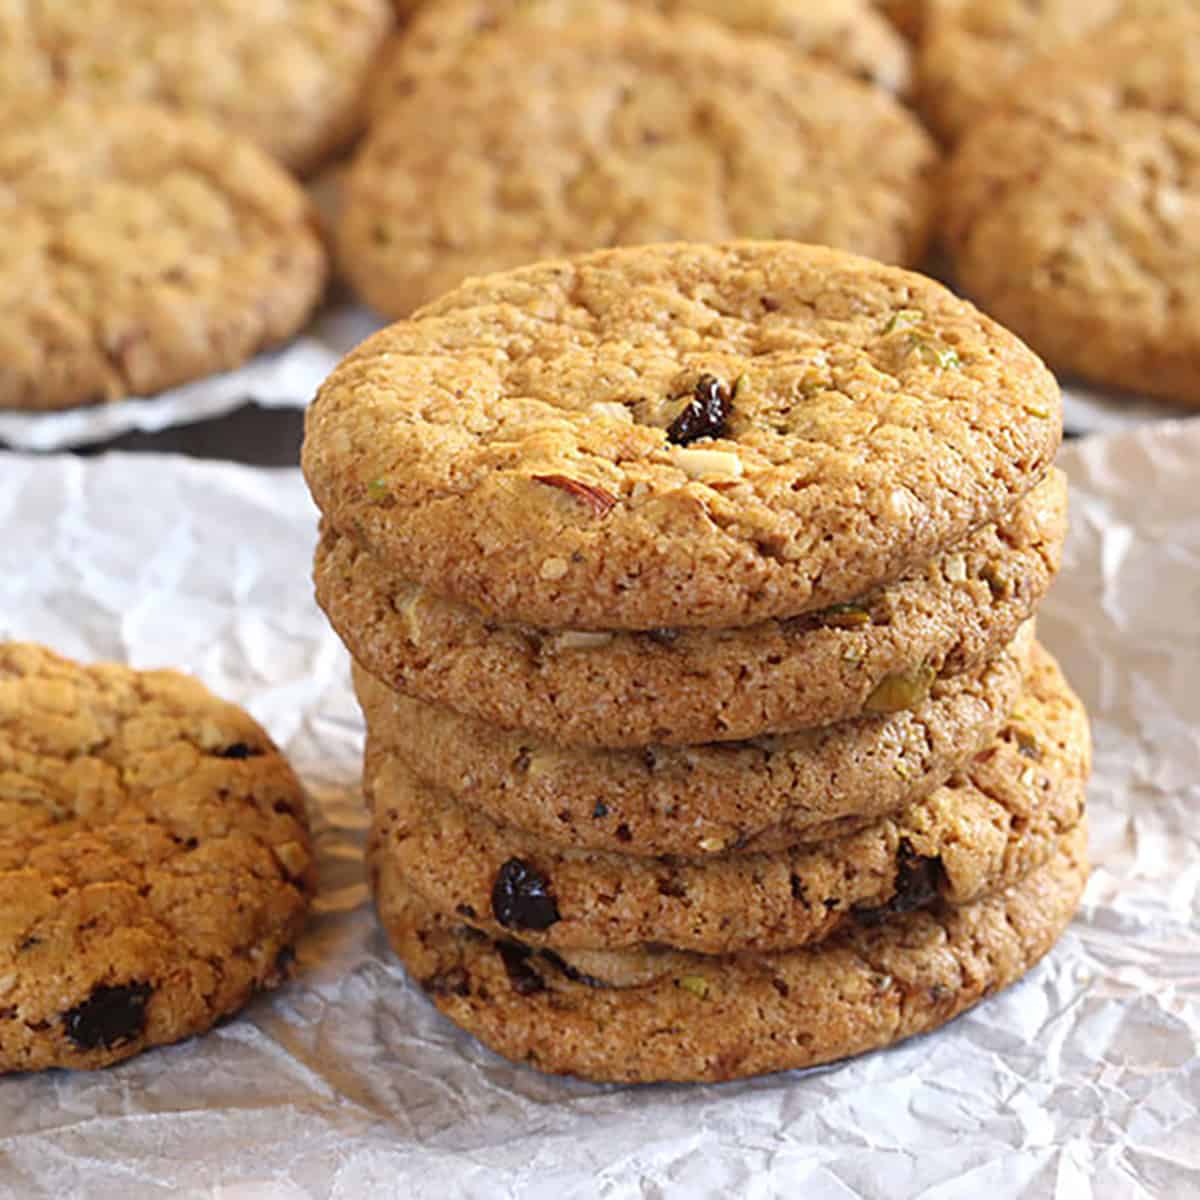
(698, 464)
(901, 690)
(596, 498)
(696, 984)
(844, 616)
(610, 408)
(553, 568)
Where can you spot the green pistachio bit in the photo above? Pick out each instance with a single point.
(845, 616)
(901, 690)
(377, 489)
(936, 352)
(696, 984)
(904, 318)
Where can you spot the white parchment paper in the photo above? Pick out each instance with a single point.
(1083, 1081)
(289, 377)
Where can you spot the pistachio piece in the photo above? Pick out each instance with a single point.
(696, 984)
(901, 690)
(844, 616)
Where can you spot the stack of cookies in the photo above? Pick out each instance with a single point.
(691, 594)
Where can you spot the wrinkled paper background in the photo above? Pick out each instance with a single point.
(290, 376)
(1083, 1081)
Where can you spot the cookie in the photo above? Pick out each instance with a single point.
(984, 830)
(1094, 209)
(679, 436)
(141, 249)
(695, 801)
(676, 129)
(155, 865)
(288, 74)
(845, 34)
(974, 49)
(725, 1018)
(681, 687)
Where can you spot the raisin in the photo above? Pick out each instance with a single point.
(918, 883)
(624, 834)
(600, 811)
(521, 897)
(800, 892)
(109, 1016)
(239, 750)
(524, 979)
(706, 415)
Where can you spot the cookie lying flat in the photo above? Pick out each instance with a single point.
(725, 1018)
(155, 866)
(1074, 210)
(846, 34)
(695, 801)
(675, 129)
(978, 834)
(681, 687)
(679, 435)
(140, 249)
(974, 49)
(288, 74)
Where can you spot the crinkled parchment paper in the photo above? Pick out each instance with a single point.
(1083, 1081)
(289, 377)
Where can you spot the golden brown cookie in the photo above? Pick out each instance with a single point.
(974, 49)
(288, 74)
(1074, 210)
(907, 15)
(141, 249)
(845, 34)
(675, 129)
(700, 1018)
(155, 866)
(978, 834)
(695, 801)
(679, 687)
(680, 435)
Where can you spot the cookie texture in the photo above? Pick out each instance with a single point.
(679, 687)
(679, 435)
(845, 34)
(984, 830)
(155, 865)
(288, 74)
(1094, 209)
(140, 249)
(717, 1018)
(676, 129)
(907, 15)
(695, 801)
(974, 49)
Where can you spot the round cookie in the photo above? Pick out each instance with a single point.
(288, 74)
(984, 830)
(713, 1019)
(683, 687)
(1086, 184)
(676, 129)
(155, 866)
(679, 435)
(694, 801)
(141, 249)
(846, 34)
(974, 49)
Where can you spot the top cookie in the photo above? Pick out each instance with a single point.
(679, 435)
(973, 49)
(846, 34)
(675, 129)
(155, 865)
(289, 74)
(140, 249)
(1074, 211)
